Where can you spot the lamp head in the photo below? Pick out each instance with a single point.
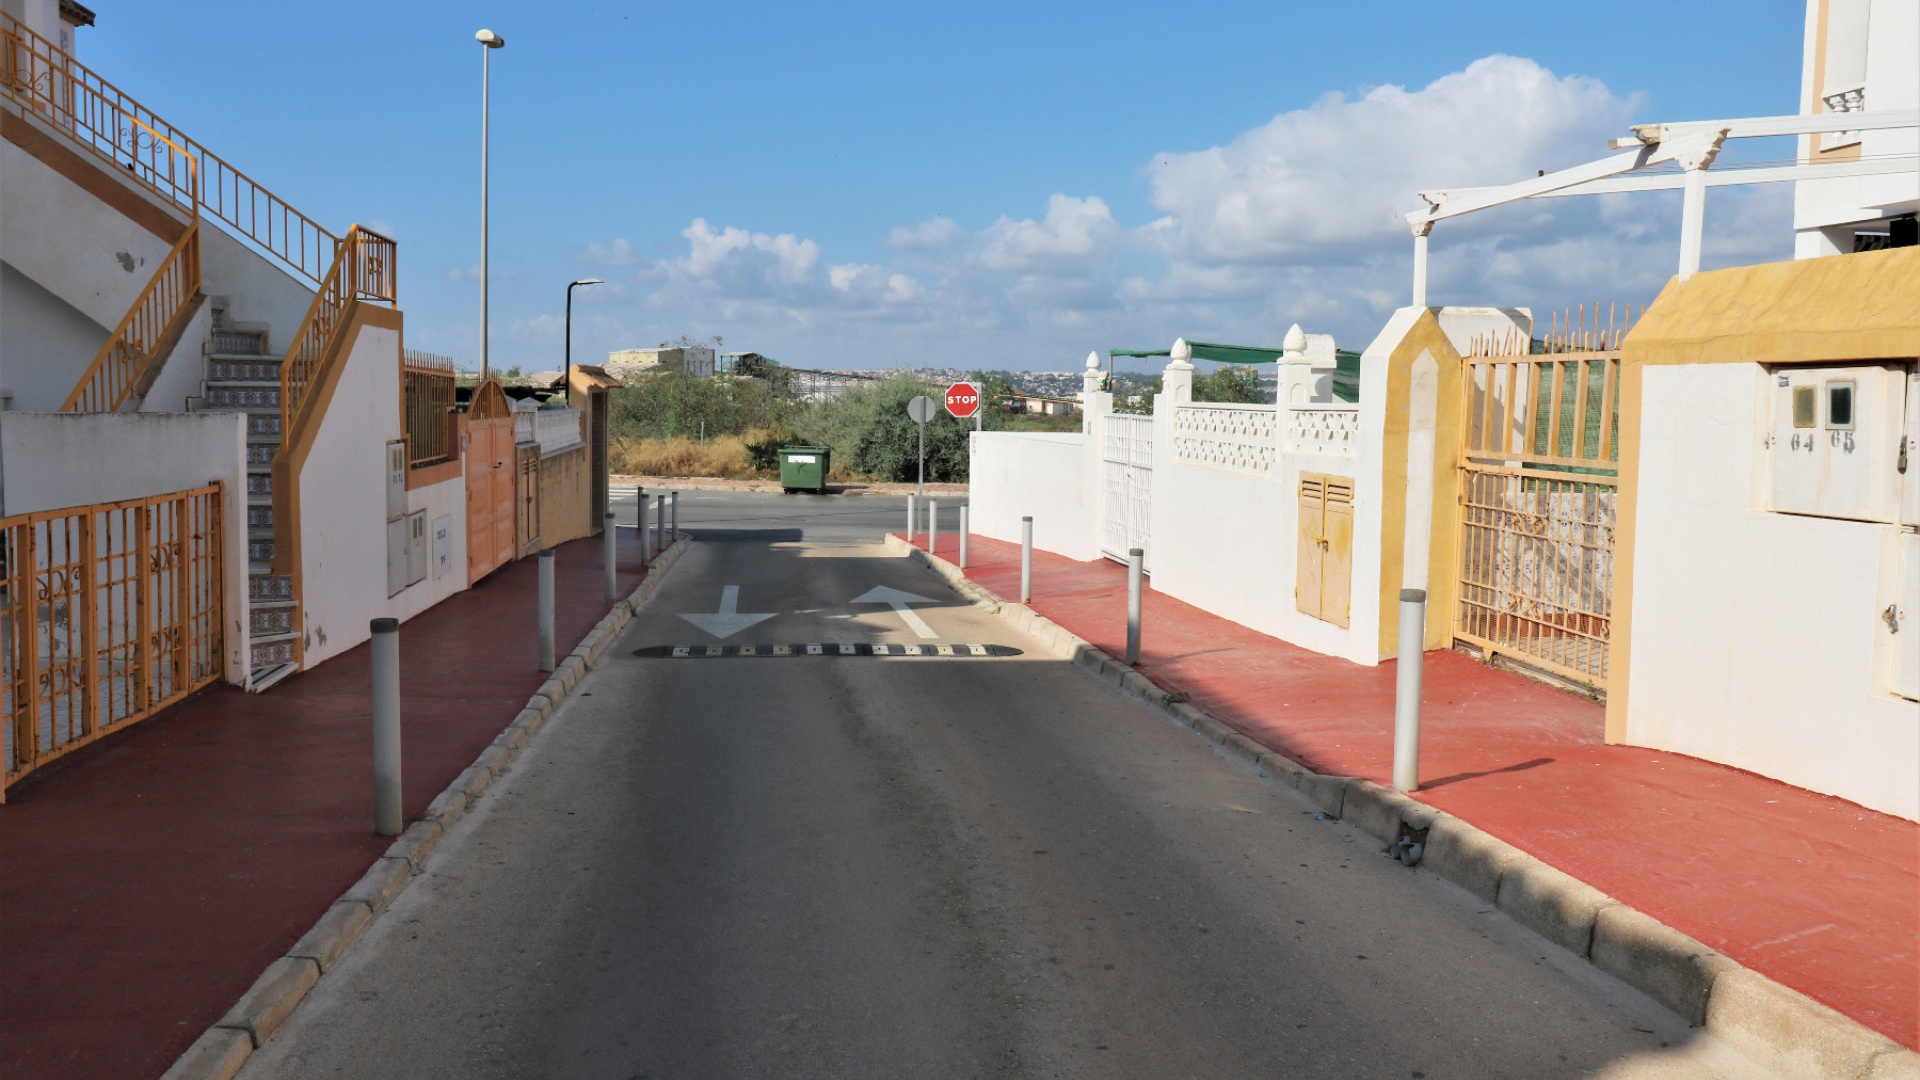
(590, 281)
(490, 39)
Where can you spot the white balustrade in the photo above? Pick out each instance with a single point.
(1237, 438)
(1330, 430)
(556, 430)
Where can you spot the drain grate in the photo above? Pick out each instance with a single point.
(704, 652)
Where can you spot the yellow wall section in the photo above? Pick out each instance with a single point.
(1835, 309)
(1425, 336)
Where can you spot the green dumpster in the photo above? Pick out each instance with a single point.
(804, 468)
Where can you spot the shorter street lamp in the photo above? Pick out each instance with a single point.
(569, 364)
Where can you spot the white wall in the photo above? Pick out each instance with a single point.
(1893, 82)
(257, 289)
(77, 247)
(1015, 474)
(47, 343)
(343, 507)
(184, 371)
(1754, 632)
(50, 461)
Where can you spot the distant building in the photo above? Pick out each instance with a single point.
(696, 360)
(1035, 405)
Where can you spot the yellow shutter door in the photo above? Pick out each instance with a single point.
(1306, 582)
(1336, 574)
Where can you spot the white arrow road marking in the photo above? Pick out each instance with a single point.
(898, 600)
(729, 620)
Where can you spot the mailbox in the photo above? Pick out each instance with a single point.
(1835, 441)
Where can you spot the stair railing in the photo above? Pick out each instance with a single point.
(52, 85)
(363, 269)
(129, 360)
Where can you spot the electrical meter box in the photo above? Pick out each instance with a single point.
(396, 480)
(1835, 440)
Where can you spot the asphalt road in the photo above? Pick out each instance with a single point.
(859, 866)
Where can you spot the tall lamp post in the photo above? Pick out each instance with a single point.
(490, 41)
(569, 363)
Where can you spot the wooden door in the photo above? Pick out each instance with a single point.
(1323, 581)
(490, 507)
(1309, 566)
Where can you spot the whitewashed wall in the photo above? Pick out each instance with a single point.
(1754, 633)
(1892, 82)
(50, 461)
(343, 509)
(1045, 475)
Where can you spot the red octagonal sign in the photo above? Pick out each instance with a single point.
(963, 399)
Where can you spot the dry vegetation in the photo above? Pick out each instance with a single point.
(725, 456)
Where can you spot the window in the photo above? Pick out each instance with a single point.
(1840, 404)
(1805, 402)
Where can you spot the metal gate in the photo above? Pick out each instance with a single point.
(1539, 488)
(1126, 485)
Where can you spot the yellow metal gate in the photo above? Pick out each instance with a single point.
(1539, 488)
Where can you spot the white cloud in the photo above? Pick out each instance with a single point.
(1295, 220)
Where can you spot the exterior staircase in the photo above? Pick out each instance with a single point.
(242, 376)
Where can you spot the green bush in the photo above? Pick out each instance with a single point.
(869, 430)
(672, 404)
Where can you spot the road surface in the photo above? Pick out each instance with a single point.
(867, 866)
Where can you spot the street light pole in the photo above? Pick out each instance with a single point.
(569, 354)
(490, 41)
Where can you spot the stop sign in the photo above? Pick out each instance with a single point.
(963, 399)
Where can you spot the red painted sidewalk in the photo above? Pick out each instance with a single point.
(1815, 892)
(147, 880)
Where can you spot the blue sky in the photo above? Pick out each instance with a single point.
(999, 185)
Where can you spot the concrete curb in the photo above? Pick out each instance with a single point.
(222, 1049)
(1779, 1028)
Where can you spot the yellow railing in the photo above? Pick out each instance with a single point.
(57, 88)
(108, 614)
(127, 359)
(363, 269)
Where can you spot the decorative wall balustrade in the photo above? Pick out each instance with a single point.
(1237, 438)
(1330, 430)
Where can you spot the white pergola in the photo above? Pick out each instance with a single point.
(1693, 146)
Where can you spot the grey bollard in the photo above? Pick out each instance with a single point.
(546, 609)
(913, 509)
(613, 568)
(963, 538)
(640, 523)
(1026, 560)
(659, 522)
(674, 532)
(1136, 567)
(933, 526)
(1406, 698)
(386, 727)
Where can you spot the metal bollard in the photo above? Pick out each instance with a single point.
(640, 523)
(386, 727)
(1406, 699)
(675, 531)
(963, 538)
(659, 522)
(933, 526)
(546, 609)
(613, 584)
(913, 510)
(1026, 560)
(1136, 566)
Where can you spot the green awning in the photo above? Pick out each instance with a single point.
(1346, 371)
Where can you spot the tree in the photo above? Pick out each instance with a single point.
(1237, 383)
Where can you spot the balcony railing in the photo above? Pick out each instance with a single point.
(73, 98)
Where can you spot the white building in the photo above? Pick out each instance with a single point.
(217, 461)
(695, 360)
(1859, 56)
